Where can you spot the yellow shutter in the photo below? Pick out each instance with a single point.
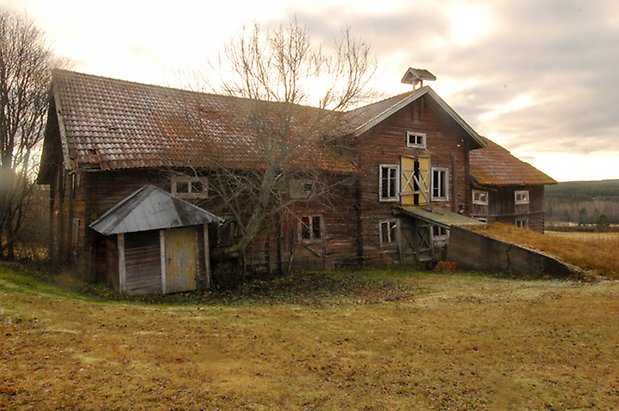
(423, 180)
(407, 180)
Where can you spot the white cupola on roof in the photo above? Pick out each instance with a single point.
(416, 77)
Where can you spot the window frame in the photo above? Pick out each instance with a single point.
(524, 194)
(522, 222)
(311, 229)
(189, 181)
(480, 201)
(396, 232)
(416, 134)
(396, 194)
(445, 197)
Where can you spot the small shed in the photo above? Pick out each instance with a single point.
(156, 243)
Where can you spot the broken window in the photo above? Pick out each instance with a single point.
(311, 228)
(440, 184)
(388, 182)
(388, 232)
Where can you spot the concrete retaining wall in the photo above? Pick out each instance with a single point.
(473, 250)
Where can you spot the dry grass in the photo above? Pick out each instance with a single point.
(595, 252)
(448, 341)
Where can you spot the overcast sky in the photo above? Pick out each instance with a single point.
(540, 77)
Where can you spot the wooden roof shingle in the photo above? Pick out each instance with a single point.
(494, 165)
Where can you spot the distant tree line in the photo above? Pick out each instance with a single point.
(583, 202)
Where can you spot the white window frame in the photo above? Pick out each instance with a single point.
(310, 226)
(415, 135)
(396, 232)
(446, 184)
(521, 197)
(522, 222)
(189, 181)
(483, 220)
(480, 197)
(396, 195)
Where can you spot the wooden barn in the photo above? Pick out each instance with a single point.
(409, 163)
(507, 189)
(155, 243)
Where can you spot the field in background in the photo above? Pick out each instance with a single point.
(373, 339)
(586, 236)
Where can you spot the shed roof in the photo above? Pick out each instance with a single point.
(440, 216)
(494, 165)
(150, 208)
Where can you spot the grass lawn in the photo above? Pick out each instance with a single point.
(367, 340)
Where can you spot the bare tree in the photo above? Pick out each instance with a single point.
(294, 94)
(25, 62)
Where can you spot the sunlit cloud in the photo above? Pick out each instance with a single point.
(469, 22)
(521, 101)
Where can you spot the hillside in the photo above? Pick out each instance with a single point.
(583, 202)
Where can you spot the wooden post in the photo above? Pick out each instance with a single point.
(122, 268)
(162, 258)
(207, 257)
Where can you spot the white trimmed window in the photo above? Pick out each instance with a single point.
(311, 228)
(522, 222)
(440, 184)
(388, 232)
(480, 197)
(521, 196)
(190, 187)
(388, 182)
(415, 139)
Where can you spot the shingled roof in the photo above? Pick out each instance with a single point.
(493, 165)
(112, 124)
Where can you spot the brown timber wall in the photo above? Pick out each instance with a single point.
(386, 144)
(142, 262)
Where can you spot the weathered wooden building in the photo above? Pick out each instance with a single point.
(506, 189)
(406, 160)
(154, 242)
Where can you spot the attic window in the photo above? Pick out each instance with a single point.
(190, 187)
(414, 139)
(521, 196)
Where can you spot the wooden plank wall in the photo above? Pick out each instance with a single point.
(142, 262)
(385, 144)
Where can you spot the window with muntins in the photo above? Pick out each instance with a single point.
(388, 182)
(521, 197)
(311, 228)
(190, 187)
(415, 139)
(440, 184)
(388, 232)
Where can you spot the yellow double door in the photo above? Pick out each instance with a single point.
(415, 181)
